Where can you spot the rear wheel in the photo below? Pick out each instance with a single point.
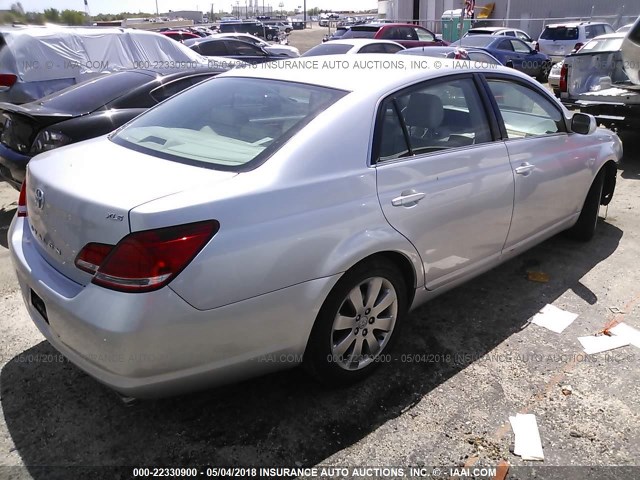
(585, 227)
(357, 323)
(269, 36)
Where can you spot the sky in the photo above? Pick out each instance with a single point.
(117, 6)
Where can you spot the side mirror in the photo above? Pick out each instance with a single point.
(583, 124)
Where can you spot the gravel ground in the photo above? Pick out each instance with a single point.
(465, 362)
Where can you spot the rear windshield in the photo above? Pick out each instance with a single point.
(559, 33)
(361, 32)
(328, 49)
(603, 45)
(92, 94)
(478, 32)
(475, 41)
(228, 123)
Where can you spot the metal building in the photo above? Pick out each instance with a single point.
(529, 15)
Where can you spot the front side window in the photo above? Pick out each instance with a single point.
(520, 47)
(434, 117)
(525, 112)
(227, 123)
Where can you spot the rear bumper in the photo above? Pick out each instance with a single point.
(156, 344)
(13, 166)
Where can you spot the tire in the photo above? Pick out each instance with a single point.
(269, 36)
(332, 351)
(585, 227)
(543, 77)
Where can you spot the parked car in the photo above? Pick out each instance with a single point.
(554, 77)
(337, 34)
(559, 39)
(272, 216)
(284, 27)
(83, 111)
(502, 31)
(272, 48)
(232, 48)
(477, 56)
(37, 61)
(624, 28)
(354, 45)
(253, 28)
(406, 34)
(180, 35)
(511, 52)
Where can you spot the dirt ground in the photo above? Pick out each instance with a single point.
(465, 362)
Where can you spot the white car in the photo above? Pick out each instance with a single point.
(502, 31)
(625, 28)
(273, 48)
(354, 45)
(558, 39)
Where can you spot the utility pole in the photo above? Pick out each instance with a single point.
(157, 11)
(462, 17)
(305, 13)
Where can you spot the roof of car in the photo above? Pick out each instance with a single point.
(610, 35)
(492, 29)
(361, 41)
(573, 24)
(352, 72)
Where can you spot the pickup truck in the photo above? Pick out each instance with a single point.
(602, 79)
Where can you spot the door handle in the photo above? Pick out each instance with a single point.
(525, 169)
(407, 199)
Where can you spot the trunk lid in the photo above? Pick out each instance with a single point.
(83, 193)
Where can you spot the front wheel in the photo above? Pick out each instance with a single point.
(357, 323)
(543, 76)
(585, 227)
(269, 36)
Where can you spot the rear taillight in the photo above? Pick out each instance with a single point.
(22, 200)
(564, 71)
(7, 79)
(92, 255)
(148, 260)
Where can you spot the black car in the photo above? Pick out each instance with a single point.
(232, 48)
(82, 111)
(254, 28)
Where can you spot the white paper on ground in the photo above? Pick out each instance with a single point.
(528, 444)
(554, 318)
(628, 332)
(602, 343)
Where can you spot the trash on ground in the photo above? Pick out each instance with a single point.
(540, 277)
(616, 310)
(627, 331)
(528, 444)
(554, 318)
(602, 343)
(566, 390)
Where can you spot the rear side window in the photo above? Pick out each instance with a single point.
(506, 45)
(243, 121)
(213, 49)
(525, 112)
(424, 35)
(434, 117)
(559, 33)
(592, 31)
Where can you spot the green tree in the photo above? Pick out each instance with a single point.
(52, 15)
(72, 17)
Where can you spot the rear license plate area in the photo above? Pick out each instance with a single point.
(39, 305)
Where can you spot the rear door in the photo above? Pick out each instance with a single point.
(549, 172)
(443, 182)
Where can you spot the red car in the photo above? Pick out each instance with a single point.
(179, 35)
(406, 34)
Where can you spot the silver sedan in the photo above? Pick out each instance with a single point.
(294, 213)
